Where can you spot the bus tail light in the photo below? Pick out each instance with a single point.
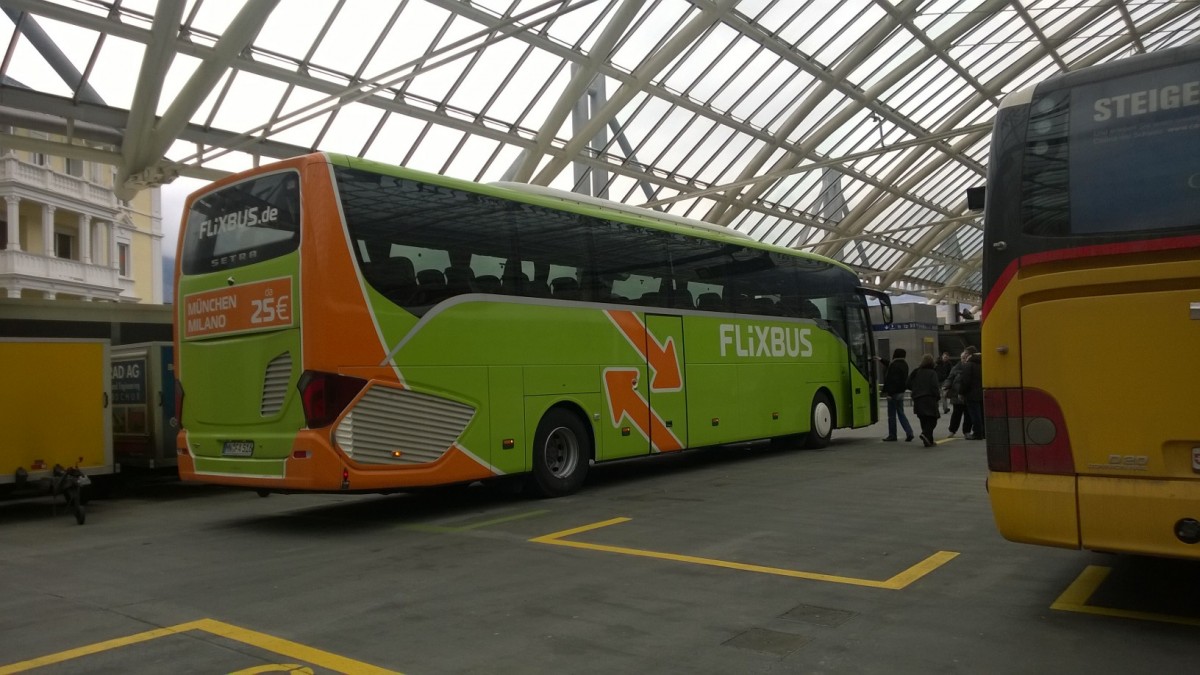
(326, 395)
(1026, 431)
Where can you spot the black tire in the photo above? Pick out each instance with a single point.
(562, 448)
(263, 493)
(820, 421)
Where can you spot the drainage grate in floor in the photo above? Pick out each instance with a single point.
(768, 641)
(821, 616)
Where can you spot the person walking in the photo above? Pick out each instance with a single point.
(958, 408)
(943, 368)
(971, 388)
(895, 383)
(926, 392)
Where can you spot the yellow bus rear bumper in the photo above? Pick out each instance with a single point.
(1137, 515)
(1035, 508)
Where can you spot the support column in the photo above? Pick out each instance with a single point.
(94, 241)
(48, 230)
(112, 245)
(14, 227)
(14, 292)
(85, 239)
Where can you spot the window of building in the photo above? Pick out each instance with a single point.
(37, 158)
(123, 259)
(64, 245)
(75, 167)
(3, 235)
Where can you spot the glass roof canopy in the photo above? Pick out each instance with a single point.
(849, 128)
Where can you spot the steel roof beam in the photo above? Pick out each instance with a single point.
(650, 66)
(874, 204)
(1123, 7)
(935, 48)
(830, 82)
(48, 48)
(298, 78)
(156, 60)
(587, 71)
(151, 145)
(866, 99)
(821, 164)
(101, 124)
(1037, 32)
(89, 153)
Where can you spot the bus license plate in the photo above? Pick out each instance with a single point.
(238, 449)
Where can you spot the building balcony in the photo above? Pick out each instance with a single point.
(55, 187)
(24, 271)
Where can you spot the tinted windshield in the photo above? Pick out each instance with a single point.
(242, 224)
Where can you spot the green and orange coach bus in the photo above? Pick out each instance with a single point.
(344, 325)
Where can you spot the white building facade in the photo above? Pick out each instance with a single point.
(65, 234)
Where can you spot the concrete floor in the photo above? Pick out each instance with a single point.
(731, 560)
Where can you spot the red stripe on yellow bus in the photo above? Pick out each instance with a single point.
(1095, 250)
(1118, 248)
(997, 290)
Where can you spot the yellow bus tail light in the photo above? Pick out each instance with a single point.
(1026, 431)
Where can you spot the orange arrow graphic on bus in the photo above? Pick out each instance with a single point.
(661, 357)
(624, 400)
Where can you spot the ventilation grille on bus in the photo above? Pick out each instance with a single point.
(275, 384)
(420, 427)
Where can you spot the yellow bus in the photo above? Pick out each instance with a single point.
(1091, 319)
(343, 325)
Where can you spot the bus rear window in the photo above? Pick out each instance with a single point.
(245, 223)
(1115, 157)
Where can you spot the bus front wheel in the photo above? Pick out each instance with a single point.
(820, 428)
(561, 451)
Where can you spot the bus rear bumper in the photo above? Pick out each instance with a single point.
(1137, 515)
(316, 466)
(1035, 508)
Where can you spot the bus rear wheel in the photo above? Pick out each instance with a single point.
(820, 427)
(562, 449)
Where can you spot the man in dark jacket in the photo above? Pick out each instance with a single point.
(970, 387)
(895, 383)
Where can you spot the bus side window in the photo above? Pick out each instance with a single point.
(459, 279)
(513, 280)
(393, 277)
(808, 310)
(710, 302)
(431, 287)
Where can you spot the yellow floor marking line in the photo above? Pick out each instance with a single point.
(895, 583)
(475, 526)
(1075, 598)
(270, 643)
